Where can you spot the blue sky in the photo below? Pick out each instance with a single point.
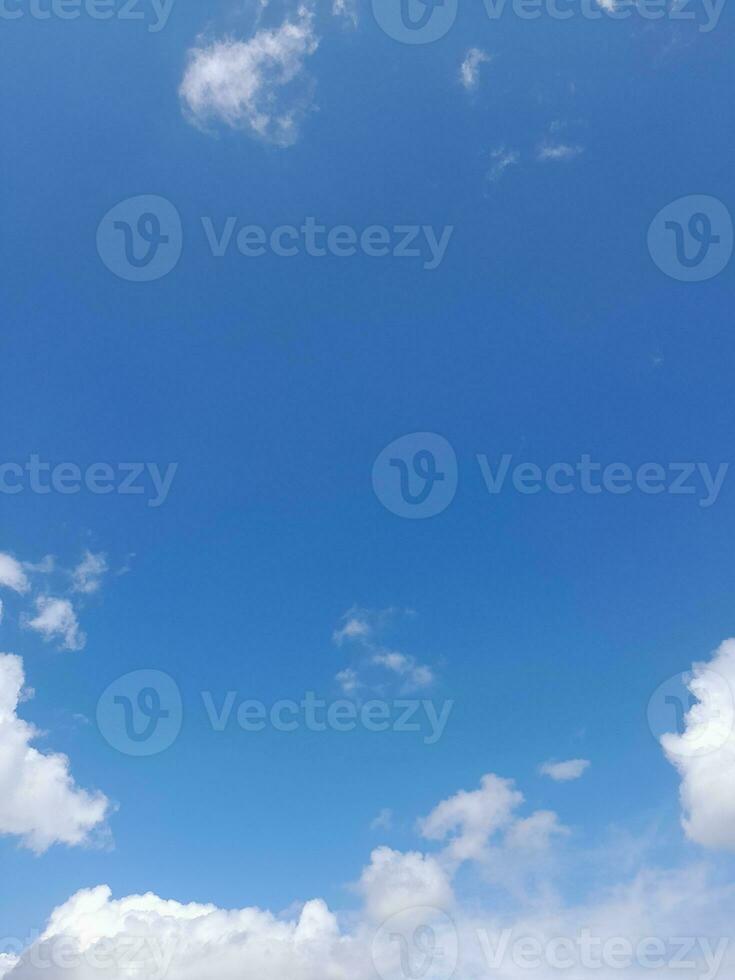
(547, 331)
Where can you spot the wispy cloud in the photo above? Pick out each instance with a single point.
(383, 821)
(558, 151)
(500, 159)
(56, 619)
(87, 576)
(469, 70)
(360, 630)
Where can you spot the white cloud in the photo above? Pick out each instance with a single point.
(394, 881)
(179, 941)
(563, 772)
(359, 629)
(189, 941)
(417, 675)
(469, 71)
(175, 941)
(12, 575)
(346, 9)
(469, 819)
(258, 85)
(87, 576)
(536, 832)
(7, 962)
(354, 627)
(705, 753)
(56, 619)
(558, 151)
(39, 801)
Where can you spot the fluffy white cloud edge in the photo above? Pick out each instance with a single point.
(258, 85)
(39, 800)
(704, 753)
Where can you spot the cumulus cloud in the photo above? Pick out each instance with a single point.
(7, 962)
(56, 619)
(12, 575)
(611, 931)
(704, 753)
(395, 881)
(469, 819)
(469, 71)
(564, 772)
(87, 575)
(258, 85)
(535, 833)
(39, 801)
(475, 937)
(483, 826)
(157, 938)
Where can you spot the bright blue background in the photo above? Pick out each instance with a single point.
(546, 332)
